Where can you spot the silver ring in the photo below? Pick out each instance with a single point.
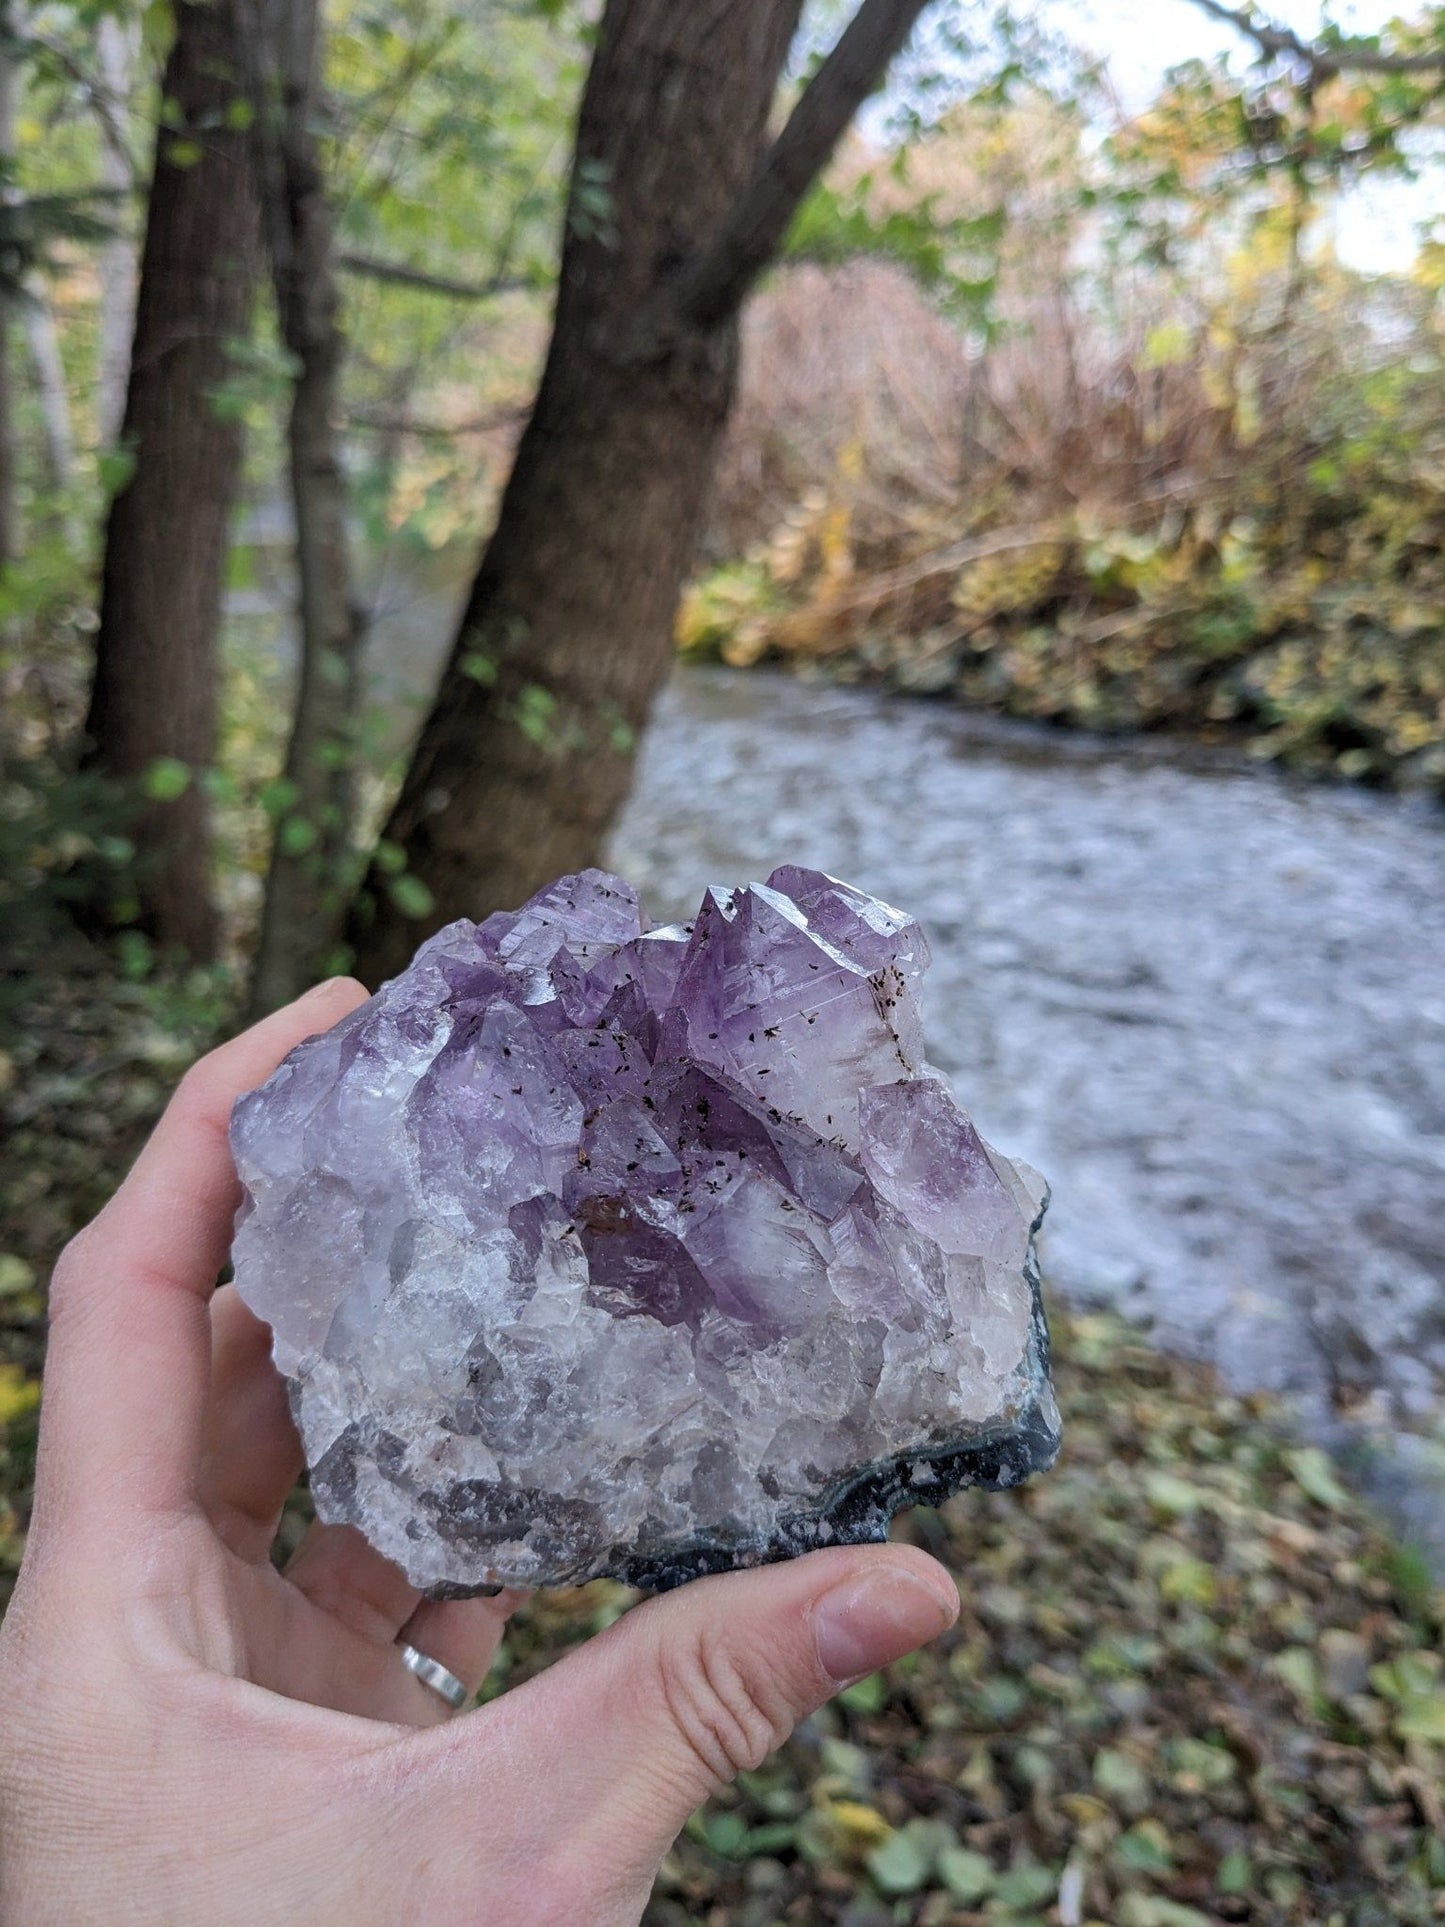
(432, 1673)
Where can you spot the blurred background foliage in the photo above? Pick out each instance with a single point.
(447, 142)
(1178, 468)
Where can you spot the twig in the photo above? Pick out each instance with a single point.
(396, 424)
(754, 230)
(403, 276)
(1324, 63)
(108, 109)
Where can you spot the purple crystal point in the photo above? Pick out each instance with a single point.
(596, 1248)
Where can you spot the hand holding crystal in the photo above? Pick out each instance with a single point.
(191, 1734)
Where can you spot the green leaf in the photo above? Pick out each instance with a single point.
(817, 1841)
(15, 1276)
(1299, 1670)
(135, 954)
(481, 667)
(1315, 1476)
(1001, 1698)
(725, 1832)
(865, 1695)
(777, 1836)
(1409, 1676)
(1145, 1847)
(1152, 1910)
(228, 402)
(410, 895)
(389, 858)
(221, 786)
(183, 153)
(1409, 1573)
(1033, 1766)
(967, 1876)
(903, 1863)
(1025, 1887)
(1172, 1495)
(1422, 1719)
(165, 779)
(278, 796)
(1122, 1656)
(241, 569)
(114, 468)
(1167, 346)
(297, 835)
(535, 713)
(1120, 1775)
(1235, 1875)
(1198, 1760)
(1188, 1582)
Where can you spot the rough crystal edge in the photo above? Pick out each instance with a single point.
(858, 1511)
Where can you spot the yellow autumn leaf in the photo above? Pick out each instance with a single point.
(1169, 345)
(859, 1823)
(694, 627)
(746, 645)
(18, 1394)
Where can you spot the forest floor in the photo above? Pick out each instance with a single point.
(1192, 1681)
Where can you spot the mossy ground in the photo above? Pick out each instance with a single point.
(1192, 1682)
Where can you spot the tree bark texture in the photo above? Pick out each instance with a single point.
(155, 689)
(9, 295)
(307, 883)
(527, 752)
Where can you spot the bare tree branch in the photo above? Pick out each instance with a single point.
(405, 277)
(117, 49)
(755, 229)
(109, 108)
(1324, 63)
(400, 424)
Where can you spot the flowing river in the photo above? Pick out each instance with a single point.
(1207, 1002)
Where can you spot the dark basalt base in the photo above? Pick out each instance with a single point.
(858, 1512)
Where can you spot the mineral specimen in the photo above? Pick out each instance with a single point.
(593, 1248)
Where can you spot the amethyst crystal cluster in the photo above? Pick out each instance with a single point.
(597, 1248)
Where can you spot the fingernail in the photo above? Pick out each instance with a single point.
(865, 1623)
(326, 988)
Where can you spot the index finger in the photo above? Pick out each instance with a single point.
(126, 1378)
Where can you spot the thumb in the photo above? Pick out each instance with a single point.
(636, 1729)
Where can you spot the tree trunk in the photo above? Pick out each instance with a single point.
(309, 874)
(567, 636)
(43, 342)
(10, 291)
(155, 689)
(115, 264)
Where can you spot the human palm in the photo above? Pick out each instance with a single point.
(192, 1735)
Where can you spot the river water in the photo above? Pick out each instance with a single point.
(1207, 1002)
